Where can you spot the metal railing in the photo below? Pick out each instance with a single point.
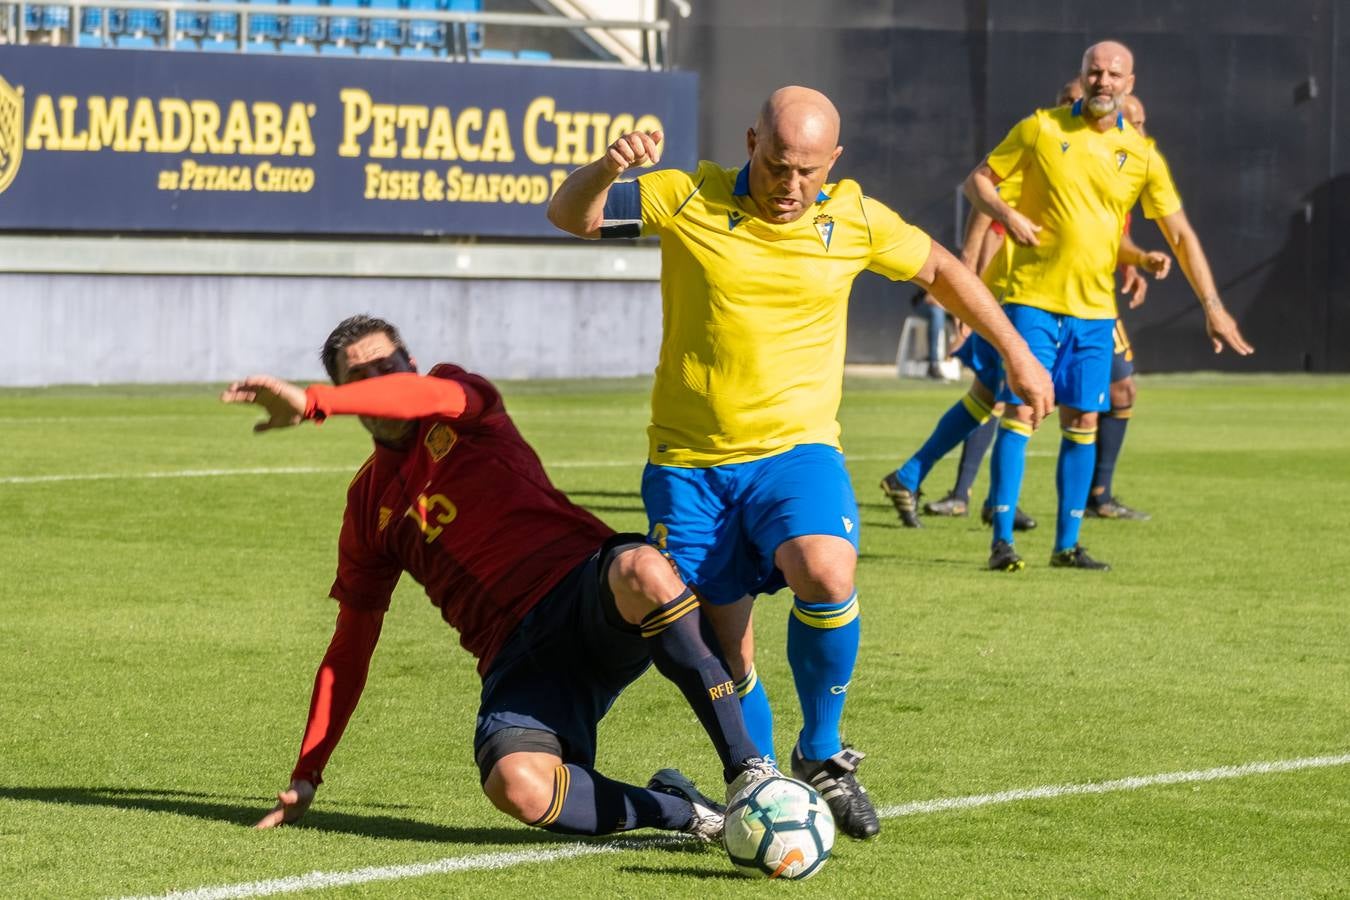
(655, 32)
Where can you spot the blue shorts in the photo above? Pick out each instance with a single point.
(565, 664)
(1122, 361)
(980, 357)
(1076, 352)
(721, 525)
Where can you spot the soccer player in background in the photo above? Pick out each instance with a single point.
(560, 611)
(1084, 167)
(745, 486)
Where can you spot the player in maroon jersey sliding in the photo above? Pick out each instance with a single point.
(560, 611)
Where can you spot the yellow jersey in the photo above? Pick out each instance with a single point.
(755, 313)
(1078, 184)
(995, 274)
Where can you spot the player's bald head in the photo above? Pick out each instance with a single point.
(1108, 53)
(798, 116)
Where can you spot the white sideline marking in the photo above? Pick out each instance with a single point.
(318, 880)
(323, 470)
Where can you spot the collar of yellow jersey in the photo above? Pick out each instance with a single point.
(1120, 117)
(742, 188)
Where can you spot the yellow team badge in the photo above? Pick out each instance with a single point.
(439, 440)
(385, 515)
(11, 132)
(825, 228)
(1121, 156)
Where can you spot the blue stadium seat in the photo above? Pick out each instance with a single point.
(91, 23)
(55, 18)
(186, 44)
(188, 25)
(297, 48)
(213, 44)
(308, 29)
(135, 42)
(139, 23)
(534, 55)
(264, 30)
(375, 50)
(32, 18)
(222, 25)
(473, 32)
(345, 29)
(420, 53)
(337, 49)
(87, 40)
(424, 33)
(495, 55)
(385, 31)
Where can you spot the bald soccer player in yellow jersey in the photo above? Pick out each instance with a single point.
(745, 485)
(1083, 167)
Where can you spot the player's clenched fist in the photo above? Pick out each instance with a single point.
(634, 149)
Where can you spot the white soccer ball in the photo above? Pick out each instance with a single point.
(778, 828)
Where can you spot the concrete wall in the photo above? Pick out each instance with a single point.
(72, 327)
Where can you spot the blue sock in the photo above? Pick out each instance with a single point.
(586, 802)
(1073, 478)
(1005, 474)
(822, 646)
(956, 423)
(1110, 438)
(972, 454)
(756, 712)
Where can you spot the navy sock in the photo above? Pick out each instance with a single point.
(1073, 477)
(955, 425)
(972, 454)
(1110, 440)
(586, 802)
(674, 636)
(1005, 474)
(756, 712)
(822, 647)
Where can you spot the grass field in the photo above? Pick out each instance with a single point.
(163, 608)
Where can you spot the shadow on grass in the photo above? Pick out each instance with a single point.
(701, 874)
(245, 812)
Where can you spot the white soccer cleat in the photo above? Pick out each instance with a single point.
(757, 769)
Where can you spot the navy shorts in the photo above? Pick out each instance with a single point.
(1122, 360)
(565, 664)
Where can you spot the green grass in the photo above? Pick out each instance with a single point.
(160, 635)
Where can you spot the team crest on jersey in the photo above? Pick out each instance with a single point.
(734, 218)
(439, 440)
(825, 228)
(1063, 146)
(11, 132)
(385, 515)
(1121, 156)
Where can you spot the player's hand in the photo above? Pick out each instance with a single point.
(1157, 263)
(283, 401)
(637, 148)
(1022, 230)
(292, 803)
(1028, 379)
(1223, 330)
(1133, 285)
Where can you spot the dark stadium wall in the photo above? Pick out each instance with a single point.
(1242, 97)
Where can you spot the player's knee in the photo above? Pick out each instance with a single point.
(1122, 393)
(982, 392)
(521, 787)
(641, 580)
(819, 571)
(1077, 419)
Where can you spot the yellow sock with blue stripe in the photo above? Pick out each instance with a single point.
(954, 427)
(822, 648)
(756, 712)
(1073, 478)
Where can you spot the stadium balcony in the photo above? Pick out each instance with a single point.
(577, 32)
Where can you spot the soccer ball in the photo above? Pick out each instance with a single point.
(778, 828)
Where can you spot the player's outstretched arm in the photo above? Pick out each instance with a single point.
(981, 190)
(1185, 243)
(578, 207)
(960, 291)
(292, 803)
(283, 401)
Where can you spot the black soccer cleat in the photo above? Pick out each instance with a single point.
(706, 814)
(950, 505)
(906, 501)
(1076, 558)
(1021, 521)
(1114, 509)
(1003, 558)
(834, 780)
